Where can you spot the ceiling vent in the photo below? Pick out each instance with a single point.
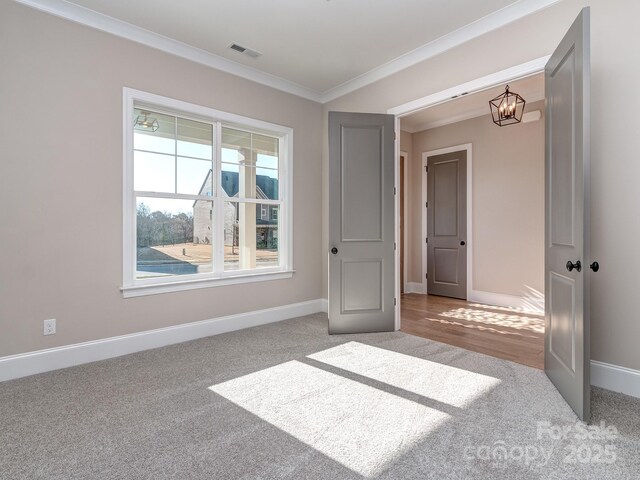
(244, 50)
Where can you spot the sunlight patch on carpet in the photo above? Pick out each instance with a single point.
(363, 428)
(436, 381)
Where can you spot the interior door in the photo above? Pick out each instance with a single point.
(447, 225)
(567, 156)
(361, 223)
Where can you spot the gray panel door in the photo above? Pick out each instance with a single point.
(447, 225)
(567, 153)
(361, 223)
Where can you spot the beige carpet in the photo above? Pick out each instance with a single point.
(288, 401)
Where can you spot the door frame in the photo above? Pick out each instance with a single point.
(423, 218)
(516, 72)
(404, 213)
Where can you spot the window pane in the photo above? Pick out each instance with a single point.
(266, 150)
(251, 236)
(173, 237)
(267, 161)
(195, 139)
(230, 177)
(248, 182)
(194, 176)
(267, 183)
(241, 150)
(237, 145)
(154, 172)
(154, 131)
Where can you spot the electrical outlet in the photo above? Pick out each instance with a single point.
(50, 326)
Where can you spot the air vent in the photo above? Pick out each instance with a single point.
(244, 50)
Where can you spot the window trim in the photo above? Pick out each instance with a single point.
(132, 287)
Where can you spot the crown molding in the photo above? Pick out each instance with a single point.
(486, 24)
(105, 23)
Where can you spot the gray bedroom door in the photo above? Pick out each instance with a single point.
(361, 223)
(447, 224)
(567, 271)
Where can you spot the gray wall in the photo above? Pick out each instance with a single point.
(507, 202)
(615, 169)
(61, 182)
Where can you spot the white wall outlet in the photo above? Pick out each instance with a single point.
(50, 326)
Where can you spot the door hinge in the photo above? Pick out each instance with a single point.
(394, 135)
(394, 245)
(394, 190)
(426, 204)
(426, 240)
(426, 275)
(426, 169)
(394, 301)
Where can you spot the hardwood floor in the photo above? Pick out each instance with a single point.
(500, 332)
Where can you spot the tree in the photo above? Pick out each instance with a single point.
(162, 228)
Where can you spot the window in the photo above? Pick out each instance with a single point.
(207, 197)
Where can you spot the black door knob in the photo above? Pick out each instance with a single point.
(334, 250)
(463, 243)
(577, 266)
(595, 266)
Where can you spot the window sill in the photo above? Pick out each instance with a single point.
(179, 286)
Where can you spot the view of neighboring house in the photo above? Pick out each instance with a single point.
(266, 215)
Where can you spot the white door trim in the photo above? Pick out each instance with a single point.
(396, 208)
(404, 213)
(423, 218)
(479, 84)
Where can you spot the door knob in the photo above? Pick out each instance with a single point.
(577, 266)
(334, 250)
(463, 243)
(595, 266)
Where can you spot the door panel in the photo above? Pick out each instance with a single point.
(446, 265)
(447, 224)
(563, 328)
(361, 166)
(445, 198)
(361, 223)
(361, 285)
(567, 157)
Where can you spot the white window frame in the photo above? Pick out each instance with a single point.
(133, 287)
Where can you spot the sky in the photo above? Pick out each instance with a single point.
(156, 172)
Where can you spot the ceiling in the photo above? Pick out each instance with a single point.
(318, 49)
(473, 105)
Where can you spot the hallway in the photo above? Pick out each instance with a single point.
(497, 331)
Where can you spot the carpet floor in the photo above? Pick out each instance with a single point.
(288, 401)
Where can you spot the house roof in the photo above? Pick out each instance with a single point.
(266, 187)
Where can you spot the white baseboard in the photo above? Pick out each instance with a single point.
(414, 287)
(325, 305)
(615, 378)
(524, 303)
(21, 365)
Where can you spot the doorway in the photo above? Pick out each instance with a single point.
(480, 207)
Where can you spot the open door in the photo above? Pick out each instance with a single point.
(361, 223)
(567, 156)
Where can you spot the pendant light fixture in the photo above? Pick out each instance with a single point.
(507, 108)
(145, 123)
